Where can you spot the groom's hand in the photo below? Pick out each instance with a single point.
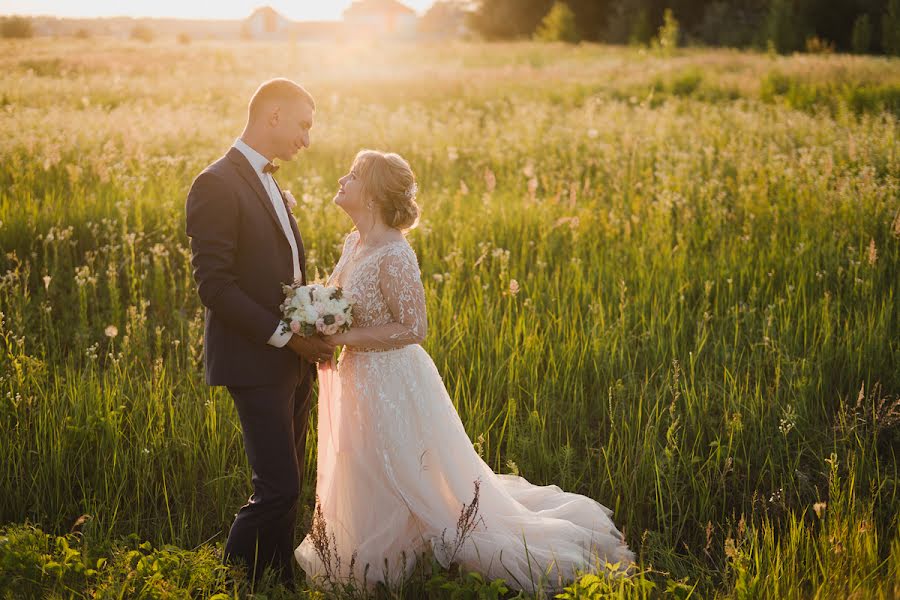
(313, 348)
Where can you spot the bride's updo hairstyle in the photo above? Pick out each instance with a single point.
(389, 184)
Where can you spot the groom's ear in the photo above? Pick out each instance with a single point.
(274, 116)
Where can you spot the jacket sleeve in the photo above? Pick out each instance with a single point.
(212, 216)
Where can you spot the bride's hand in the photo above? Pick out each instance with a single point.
(338, 339)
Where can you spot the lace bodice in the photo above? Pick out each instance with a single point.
(386, 290)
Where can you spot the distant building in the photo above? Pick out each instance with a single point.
(380, 18)
(266, 24)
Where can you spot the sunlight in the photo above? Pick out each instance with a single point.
(302, 10)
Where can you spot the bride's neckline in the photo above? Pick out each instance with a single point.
(370, 250)
(353, 260)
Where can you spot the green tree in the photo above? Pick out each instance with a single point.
(558, 25)
(640, 32)
(667, 36)
(781, 29)
(862, 34)
(504, 19)
(16, 27)
(444, 18)
(890, 28)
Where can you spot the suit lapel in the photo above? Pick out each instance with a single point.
(243, 167)
(246, 170)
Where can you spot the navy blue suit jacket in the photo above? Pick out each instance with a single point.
(240, 259)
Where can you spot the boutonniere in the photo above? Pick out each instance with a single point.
(289, 198)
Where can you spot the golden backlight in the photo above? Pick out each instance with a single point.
(300, 10)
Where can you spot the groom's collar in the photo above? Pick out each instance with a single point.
(256, 160)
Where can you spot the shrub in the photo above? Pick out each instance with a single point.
(16, 27)
(873, 98)
(669, 32)
(558, 25)
(817, 45)
(687, 83)
(142, 33)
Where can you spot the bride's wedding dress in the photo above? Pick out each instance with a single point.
(397, 474)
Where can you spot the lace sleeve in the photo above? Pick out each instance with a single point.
(401, 286)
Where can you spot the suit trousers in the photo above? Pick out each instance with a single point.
(274, 420)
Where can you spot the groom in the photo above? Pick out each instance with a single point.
(245, 244)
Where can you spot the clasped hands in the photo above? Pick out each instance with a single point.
(314, 348)
(317, 348)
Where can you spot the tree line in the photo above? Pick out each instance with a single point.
(861, 26)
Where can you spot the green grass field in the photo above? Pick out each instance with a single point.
(705, 336)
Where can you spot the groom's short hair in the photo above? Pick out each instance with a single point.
(277, 90)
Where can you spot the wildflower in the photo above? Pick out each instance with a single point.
(47, 279)
(730, 549)
(111, 331)
(513, 287)
(479, 445)
(819, 508)
(873, 252)
(490, 180)
(83, 276)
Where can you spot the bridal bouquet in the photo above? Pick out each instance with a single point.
(310, 309)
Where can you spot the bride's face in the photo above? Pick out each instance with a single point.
(350, 195)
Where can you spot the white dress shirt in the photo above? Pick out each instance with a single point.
(258, 161)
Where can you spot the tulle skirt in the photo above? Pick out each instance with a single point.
(398, 476)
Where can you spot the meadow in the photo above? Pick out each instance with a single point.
(668, 282)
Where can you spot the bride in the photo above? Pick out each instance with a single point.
(397, 474)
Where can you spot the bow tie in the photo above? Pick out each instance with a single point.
(270, 168)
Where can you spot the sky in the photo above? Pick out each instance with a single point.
(298, 10)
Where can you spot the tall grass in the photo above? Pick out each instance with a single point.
(650, 280)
